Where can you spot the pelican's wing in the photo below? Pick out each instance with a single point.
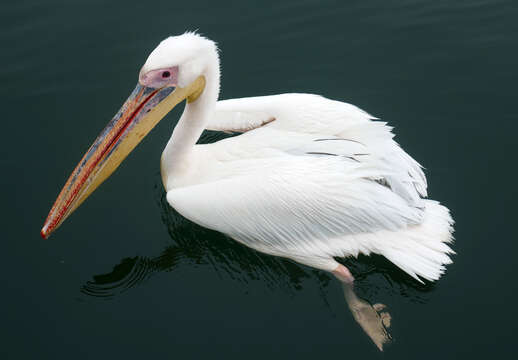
(328, 120)
(296, 205)
(236, 115)
(305, 113)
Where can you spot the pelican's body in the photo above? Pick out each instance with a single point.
(309, 179)
(320, 179)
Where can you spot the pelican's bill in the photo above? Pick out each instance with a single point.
(144, 108)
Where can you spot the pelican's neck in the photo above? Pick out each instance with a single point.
(178, 153)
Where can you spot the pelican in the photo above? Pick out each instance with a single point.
(309, 179)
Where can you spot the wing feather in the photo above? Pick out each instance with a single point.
(239, 115)
(313, 114)
(293, 204)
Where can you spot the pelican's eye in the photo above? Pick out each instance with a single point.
(158, 78)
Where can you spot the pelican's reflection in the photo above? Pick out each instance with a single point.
(191, 244)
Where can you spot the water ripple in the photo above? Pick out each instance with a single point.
(129, 273)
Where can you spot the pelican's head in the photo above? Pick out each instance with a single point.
(177, 61)
(175, 70)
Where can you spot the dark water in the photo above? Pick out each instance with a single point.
(126, 277)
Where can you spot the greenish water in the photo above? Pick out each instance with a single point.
(126, 277)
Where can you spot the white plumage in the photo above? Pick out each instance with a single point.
(309, 179)
(319, 180)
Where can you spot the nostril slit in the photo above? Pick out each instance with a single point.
(166, 74)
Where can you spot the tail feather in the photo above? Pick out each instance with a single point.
(422, 250)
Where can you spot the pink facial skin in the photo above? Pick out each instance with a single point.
(160, 78)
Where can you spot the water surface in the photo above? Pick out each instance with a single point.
(126, 276)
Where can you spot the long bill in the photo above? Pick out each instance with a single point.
(144, 108)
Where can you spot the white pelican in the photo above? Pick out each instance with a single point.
(310, 179)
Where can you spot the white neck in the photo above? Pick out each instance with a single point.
(177, 157)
